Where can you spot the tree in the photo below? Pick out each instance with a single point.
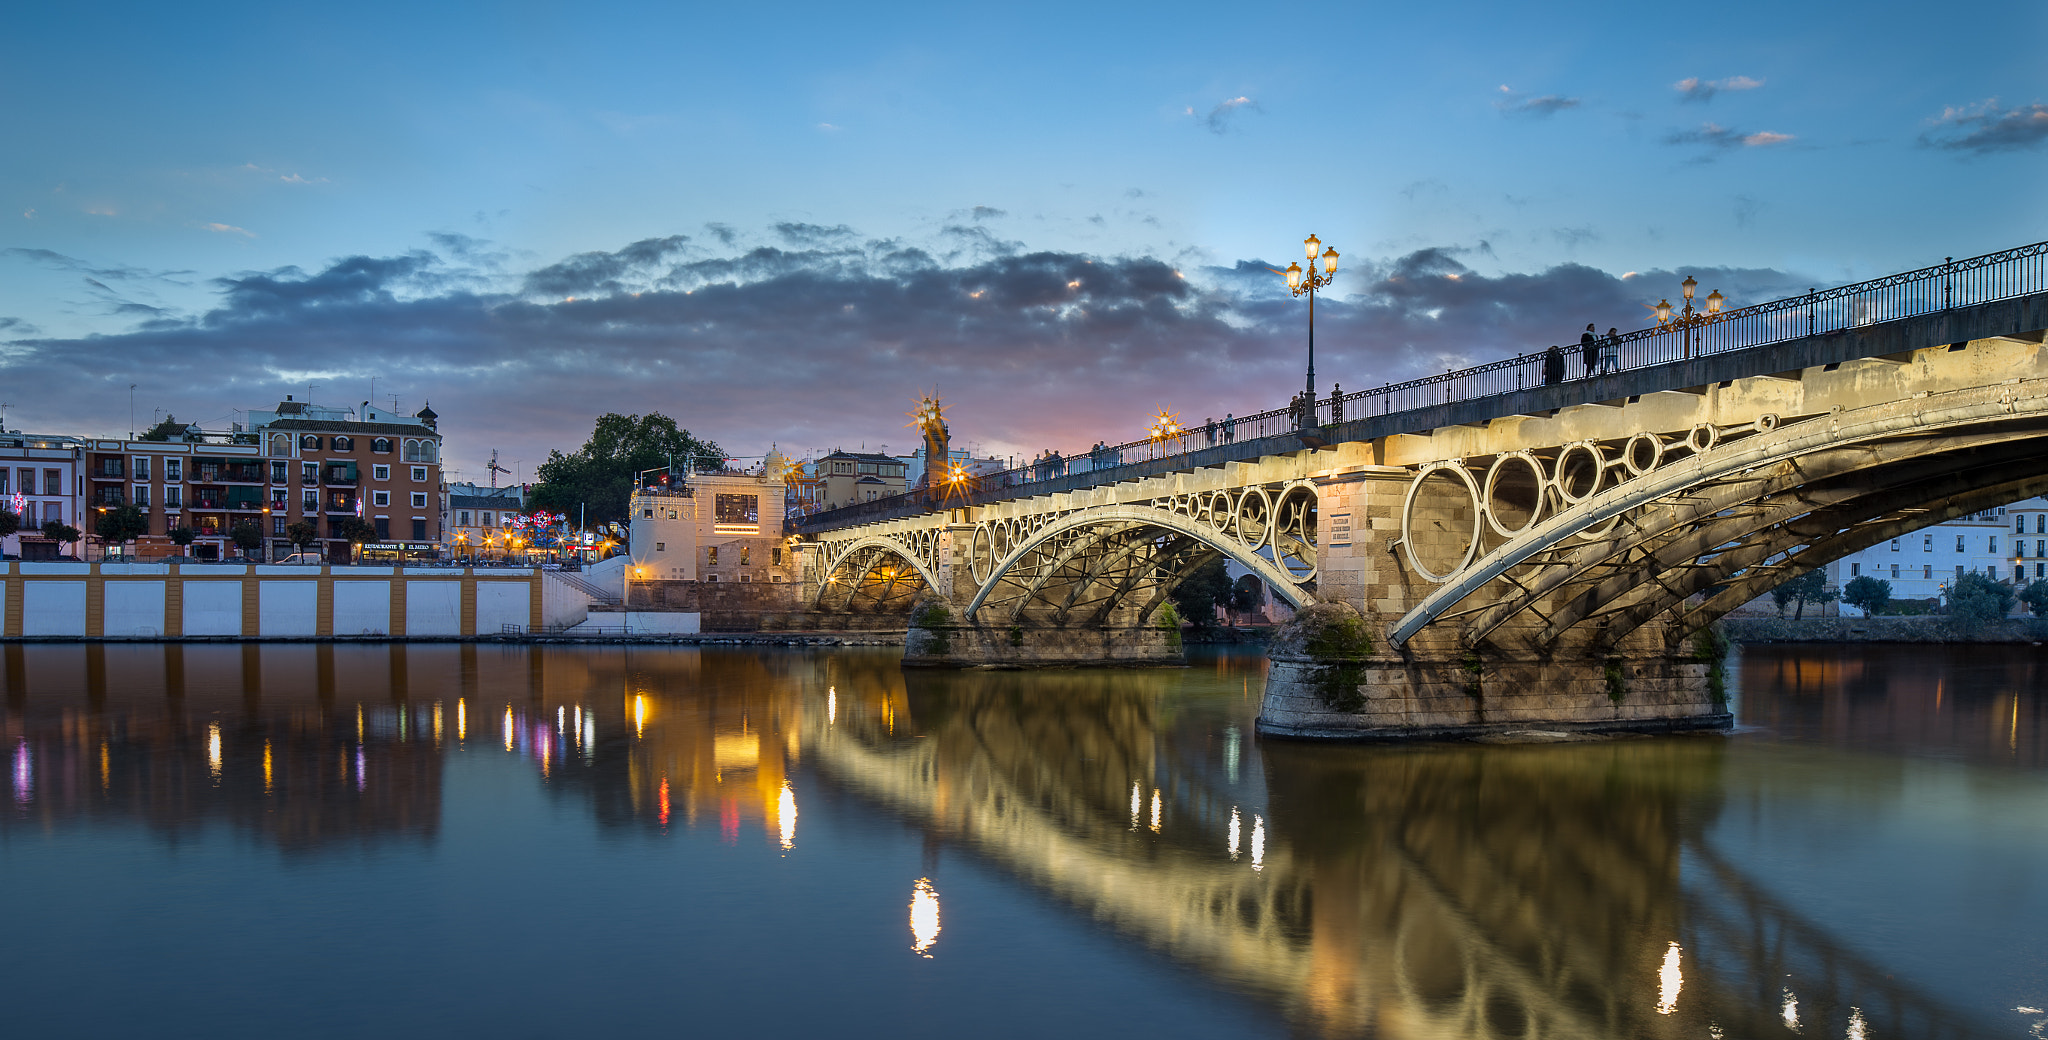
(1810, 587)
(2036, 597)
(353, 529)
(165, 430)
(10, 522)
(59, 531)
(1248, 594)
(247, 537)
(599, 476)
(182, 535)
(121, 525)
(1201, 592)
(1872, 594)
(302, 533)
(1975, 599)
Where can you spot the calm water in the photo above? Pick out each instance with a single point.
(357, 841)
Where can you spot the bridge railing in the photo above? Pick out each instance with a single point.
(1955, 283)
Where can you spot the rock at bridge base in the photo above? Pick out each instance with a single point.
(937, 640)
(1332, 678)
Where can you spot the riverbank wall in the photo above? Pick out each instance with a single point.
(1923, 629)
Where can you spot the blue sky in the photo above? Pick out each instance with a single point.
(223, 206)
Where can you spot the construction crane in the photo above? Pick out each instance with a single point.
(495, 469)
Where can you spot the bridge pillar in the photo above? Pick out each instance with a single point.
(941, 634)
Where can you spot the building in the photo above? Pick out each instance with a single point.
(474, 522)
(329, 465)
(40, 482)
(717, 527)
(208, 486)
(1923, 564)
(847, 477)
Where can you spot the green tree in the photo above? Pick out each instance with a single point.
(10, 522)
(1810, 587)
(302, 533)
(1975, 600)
(1248, 594)
(1872, 594)
(1201, 592)
(59, 531)
(599, 476)
(183, 535)
(353, 529)
(247, 537)
(165, 430)
(2036, 597)
(121, 525)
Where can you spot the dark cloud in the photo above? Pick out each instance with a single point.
(1223, 116)
(114, 273)
(987, 213)
(1985, 128)
(1514, 104)
(1695, 89)
(819, 346)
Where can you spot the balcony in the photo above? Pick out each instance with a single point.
(341, 504)
(230, 473)
(340, 475)
(108, 497)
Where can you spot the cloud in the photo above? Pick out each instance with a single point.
(229, 229)
(828, 128)
(1693, 88)
(18, 326)
(987, 213)
(1984, 128)
(1746, 209)
(816, 344)
(1719, 138)
(1220, 119)
(293, 178)
(1514, 104)
(28, 214)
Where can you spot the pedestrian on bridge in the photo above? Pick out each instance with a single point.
(1210, 426)
(1589, 350)
(1229, 428)
(1553, 366)
(1610, 352)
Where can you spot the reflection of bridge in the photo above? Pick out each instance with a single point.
(1524, 552)
(1472, 893)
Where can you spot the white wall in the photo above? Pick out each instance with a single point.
(53, 608)
(288, 608)
(213, 608)
(433, 608)
(133, 608)
(560, 605)
(501, 603)
(362, 608)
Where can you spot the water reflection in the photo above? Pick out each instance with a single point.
(1552, 891)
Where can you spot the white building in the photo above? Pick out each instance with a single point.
(39, 482)
(717, 527)
(2009, 543)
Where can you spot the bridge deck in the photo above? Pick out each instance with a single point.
(2016, 316)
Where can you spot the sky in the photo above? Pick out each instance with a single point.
(779, 224)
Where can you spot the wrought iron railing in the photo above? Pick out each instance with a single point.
(1929, 290)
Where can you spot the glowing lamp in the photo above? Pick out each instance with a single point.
(1689, 285)
(1314, 245)
(1293, 276)
(1663, 311)
(1714, 301)
(1330, 261)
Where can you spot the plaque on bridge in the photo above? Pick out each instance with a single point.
(1340, 529)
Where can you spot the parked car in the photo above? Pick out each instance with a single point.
(306, 558)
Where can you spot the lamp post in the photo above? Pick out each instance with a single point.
(1299, 282)
(1689, 321)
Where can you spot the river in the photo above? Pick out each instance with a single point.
(352, 840)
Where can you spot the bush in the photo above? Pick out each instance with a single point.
(1975, 600)
(1872, 594)
(2035, 595)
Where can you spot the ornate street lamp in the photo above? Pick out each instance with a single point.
(1299, 282)
(1689, 321)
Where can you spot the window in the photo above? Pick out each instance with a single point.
(713, 578)
(2040, 547)
(142, 472)
(1855, 569)
(746, 554)
(311, 502)
(1959, 570)
(1959, 543)
(419, 450)
(277, 500)
(1895, 545)
(280, 473)
(738, 509)
(383, 528)
(778, 555)
(142, 495)
(1927, 571)
(53, 482)
(661, 547)
(344, 444)
(419, 474)
(309, 473)
(647, 514)
(174, 471)
(380, 473)
(419, 529)
(2019, 525)
(380, 498)
(309, 443)
(487, 519)
(276, 524)
(2041, 523)
(28, 483)
(746, 578)
(419, 500)
(280, 446)
(462, 518)
(1994, 545)
(381, 445)
(1927, 543)
(671, 514)
(713, 560)
(174, 497)
(1895, 570)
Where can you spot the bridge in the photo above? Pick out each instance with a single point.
(1516, 551)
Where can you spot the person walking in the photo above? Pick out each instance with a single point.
(1210, 426)
(1589, 350)
(1229, 428)
(1610, 352)
(1553, 366)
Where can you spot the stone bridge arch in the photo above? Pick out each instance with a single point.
(1086, 564)
(885, 571)
(1735, 516)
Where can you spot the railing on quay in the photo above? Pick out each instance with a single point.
(1955, 283)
